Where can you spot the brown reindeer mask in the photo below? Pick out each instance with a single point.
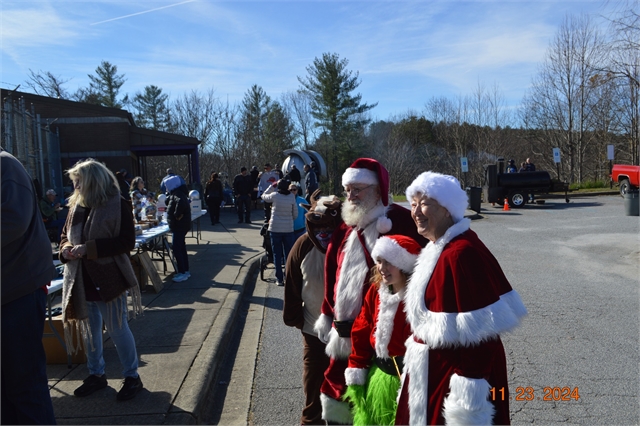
(322, 218)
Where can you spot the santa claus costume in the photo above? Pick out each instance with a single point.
(347, 266)
(378, 336)
(458, 302)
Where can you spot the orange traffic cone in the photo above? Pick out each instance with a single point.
(506, 206)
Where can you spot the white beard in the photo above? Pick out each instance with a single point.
(355, 214)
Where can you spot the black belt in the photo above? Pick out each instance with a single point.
(392, 366)
(343, 327)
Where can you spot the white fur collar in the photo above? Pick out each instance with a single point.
(386, 315)
(441, 329)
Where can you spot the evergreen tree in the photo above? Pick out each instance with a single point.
(337, 111)
(151, 108)
(104, 87)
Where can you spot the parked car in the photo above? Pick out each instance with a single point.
(627, 176)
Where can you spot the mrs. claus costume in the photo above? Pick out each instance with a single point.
(458, 301)
(347, 265)
(378, 336)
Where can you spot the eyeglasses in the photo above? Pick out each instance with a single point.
(293, 189)
(354, 191)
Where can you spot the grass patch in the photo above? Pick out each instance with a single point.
(597, 184)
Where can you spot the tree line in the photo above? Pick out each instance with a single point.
(584, 96)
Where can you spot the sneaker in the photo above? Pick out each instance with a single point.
(279, 283)
(179, 277)
(90, 385)
(130, 387)
(188, 274)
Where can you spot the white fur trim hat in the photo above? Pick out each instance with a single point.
(444, 189)
(400, 251)
(368, 171)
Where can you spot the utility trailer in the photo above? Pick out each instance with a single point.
(516, 187)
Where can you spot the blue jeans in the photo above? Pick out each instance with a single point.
(180, 251)
(25, 391)
(281, 243)
(121, 336)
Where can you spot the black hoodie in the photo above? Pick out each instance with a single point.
(178, 207)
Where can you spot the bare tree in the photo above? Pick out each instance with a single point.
(559, 102)
(195, 114)
(298, 106)
(624, 63)
(47, 84)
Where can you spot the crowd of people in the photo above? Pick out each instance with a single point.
(400, 309)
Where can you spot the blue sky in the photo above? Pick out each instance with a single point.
(406, 52)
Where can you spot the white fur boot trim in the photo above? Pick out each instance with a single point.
(468, 402)
(335, 411)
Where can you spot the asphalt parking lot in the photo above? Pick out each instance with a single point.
(575, 358)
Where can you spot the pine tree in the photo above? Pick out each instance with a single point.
(104, 87)
(151, 108)
(338, 112)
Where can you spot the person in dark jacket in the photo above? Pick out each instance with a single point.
(254, 178)
(123, 184)
(294, 174)
(242, 189)
(213, 196)
(179, 219)
(26, 270)
(310, 181)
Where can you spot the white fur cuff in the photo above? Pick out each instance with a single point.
(356, 376)
(322, 327)
(468, 402)
(338, 347)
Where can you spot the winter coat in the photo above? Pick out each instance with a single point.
(284, 210)
(179, 210)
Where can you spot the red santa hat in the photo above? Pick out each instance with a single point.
(444, 189)
(400, 251)
(369, 172)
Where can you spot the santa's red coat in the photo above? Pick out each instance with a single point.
(458, 302)
(346, 283)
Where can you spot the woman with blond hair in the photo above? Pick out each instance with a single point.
(95, 245)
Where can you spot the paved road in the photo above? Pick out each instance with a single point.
(576, 267)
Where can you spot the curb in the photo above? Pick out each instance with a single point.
(189, 404)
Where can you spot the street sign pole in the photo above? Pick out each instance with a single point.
(556, 159)
(610, 156)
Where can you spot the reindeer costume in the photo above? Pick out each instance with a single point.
(304, 292)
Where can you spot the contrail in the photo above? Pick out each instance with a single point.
(140, 13)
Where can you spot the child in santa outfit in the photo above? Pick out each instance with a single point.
(379, 333)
